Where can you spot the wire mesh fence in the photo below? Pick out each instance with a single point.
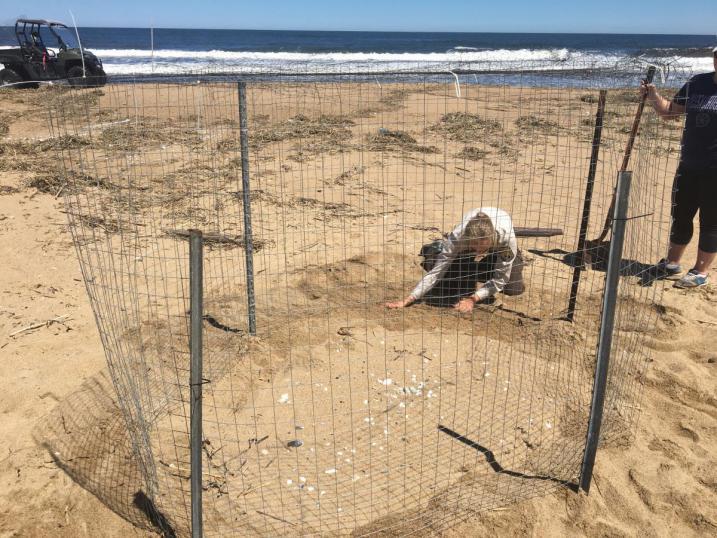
(341, 415)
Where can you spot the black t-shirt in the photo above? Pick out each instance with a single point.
(699, 138)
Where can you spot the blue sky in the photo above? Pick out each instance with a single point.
(602, 16)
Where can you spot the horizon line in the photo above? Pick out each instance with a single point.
(713, 36)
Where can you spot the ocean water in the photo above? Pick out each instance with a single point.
(134, 51)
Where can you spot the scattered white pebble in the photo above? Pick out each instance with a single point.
(289, 482)
(284, 399)
(386, 382)
(264, 452)
(322, 492)
(302, 479)
(548, 424)
(330, 471)
(310, 488)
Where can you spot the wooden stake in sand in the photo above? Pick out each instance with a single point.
(580, 254)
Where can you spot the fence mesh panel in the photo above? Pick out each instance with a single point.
(342, 416)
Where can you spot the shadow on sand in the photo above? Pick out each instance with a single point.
(86, 436)
(646, 273)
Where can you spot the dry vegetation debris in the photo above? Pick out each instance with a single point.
(320, 134)
(387, 140)
(535, 124)
(128, 137)
(471, 153)
(389, 101)
(465, 127)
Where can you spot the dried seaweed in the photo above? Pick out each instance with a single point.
(71, 182)
(392, 100)
(465, 127)
(589, 98)
(7, 189)
(133, 136)
(536, 124)
(346, 177)
(324, 133)
(630, 95)
(6, 119)
(471, 153)
(216, 239)
(387, 140)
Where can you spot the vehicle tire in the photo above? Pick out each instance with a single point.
(75, 76)
(10, 77)
(97, 79)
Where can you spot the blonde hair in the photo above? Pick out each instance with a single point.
(480, 227)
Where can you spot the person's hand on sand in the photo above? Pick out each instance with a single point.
(464, 306)
(408, 301)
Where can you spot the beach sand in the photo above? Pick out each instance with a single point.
(345, 213)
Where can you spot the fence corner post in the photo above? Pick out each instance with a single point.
(246, 203)
(607, 325)
(196, 299)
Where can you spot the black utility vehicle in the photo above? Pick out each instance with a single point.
(48, 51)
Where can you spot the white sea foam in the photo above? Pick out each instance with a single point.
(166, 61)
(450, 56)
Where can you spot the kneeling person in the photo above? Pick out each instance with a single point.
(486, 233)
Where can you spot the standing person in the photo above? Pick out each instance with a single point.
(695, 184)
(487, 233)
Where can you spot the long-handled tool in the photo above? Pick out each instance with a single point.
(626, 158)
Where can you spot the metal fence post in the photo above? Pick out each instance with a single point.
(607, 324)
(246, 202)
(196, 300)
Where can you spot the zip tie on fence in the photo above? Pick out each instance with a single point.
(637, 216)
(204, 381)
(378, 83)
(458, 84)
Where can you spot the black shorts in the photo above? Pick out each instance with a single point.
(692, 191)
